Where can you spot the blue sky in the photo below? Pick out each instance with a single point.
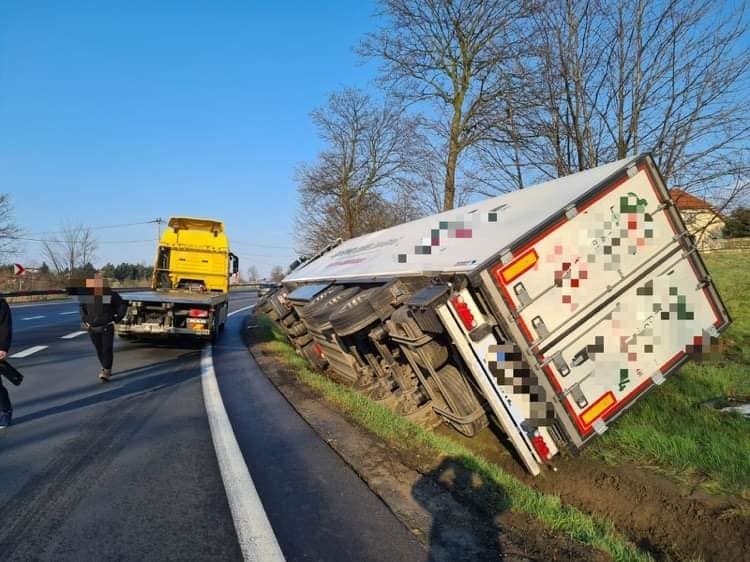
(120, 112)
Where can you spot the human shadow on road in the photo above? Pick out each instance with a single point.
(464, 508)
(126, 383)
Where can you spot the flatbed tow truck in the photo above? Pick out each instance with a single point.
(190, 284)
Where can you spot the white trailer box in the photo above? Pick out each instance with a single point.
(566, 301)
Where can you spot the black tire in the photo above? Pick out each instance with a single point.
(310, 308)
(463, 398)
(289, 319)
(320, 317)
(297, 329)
(303, 340)
(355, 314)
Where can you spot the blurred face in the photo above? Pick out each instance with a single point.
(96, 283)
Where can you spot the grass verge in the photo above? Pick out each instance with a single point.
(590, 530)
(670, 431)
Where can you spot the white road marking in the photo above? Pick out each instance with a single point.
(32, 317)
(72, 335)
(56, 302)
(243, 309)
(72, 312)
(28, 351)
(254, 532)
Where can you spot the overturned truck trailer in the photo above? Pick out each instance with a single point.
(547, 311)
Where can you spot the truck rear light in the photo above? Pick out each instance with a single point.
(318, 350)
(541, 447)
(517, 267)
(198, 313)
(464, 313)
(598, 408)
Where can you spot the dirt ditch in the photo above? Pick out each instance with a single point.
(666, 519)
(442, 504)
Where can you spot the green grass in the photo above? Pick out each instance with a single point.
(511, 493)
(670, 431)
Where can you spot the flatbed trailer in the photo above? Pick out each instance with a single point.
(173, 313)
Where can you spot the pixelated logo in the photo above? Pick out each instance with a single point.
(508, 367)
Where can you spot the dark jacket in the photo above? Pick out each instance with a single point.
(6, 325)
(97, 311)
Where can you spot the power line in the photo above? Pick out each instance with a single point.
(103, 227)
(234, 242)
(54, 241)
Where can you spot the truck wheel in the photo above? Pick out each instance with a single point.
(320, 317)
(303, 340)
(297, 329)
(464, 400)
(355, 314)
(289, 319)
(310, 308)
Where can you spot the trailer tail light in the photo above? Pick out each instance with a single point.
(594, 411)
(464, 313)
(517, 267)
(198, 313)
(541, 447)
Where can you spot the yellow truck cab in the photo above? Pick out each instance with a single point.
(190, 283)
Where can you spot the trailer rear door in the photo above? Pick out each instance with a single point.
(610, 298)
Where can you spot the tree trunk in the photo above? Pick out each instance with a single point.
(449, 197)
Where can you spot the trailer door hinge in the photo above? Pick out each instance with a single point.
(560, 364)
(522, 294)
(540, 326)
(577, 394)
(571, 212)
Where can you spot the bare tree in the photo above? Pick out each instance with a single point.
(9, 230)
(615, 79)
(454, 54)
(277, 273)
(357, 183)
(72, 249)
(252, 273)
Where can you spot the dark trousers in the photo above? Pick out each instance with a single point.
(5, 405)
(103, 339)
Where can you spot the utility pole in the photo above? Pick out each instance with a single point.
(158, 222)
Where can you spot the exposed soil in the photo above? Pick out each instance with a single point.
(665, 518)
(454, 514)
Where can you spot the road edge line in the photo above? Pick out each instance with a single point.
(254, 532)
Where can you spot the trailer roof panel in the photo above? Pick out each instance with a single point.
(456, 241)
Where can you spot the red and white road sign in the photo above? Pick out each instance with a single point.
(18, 269)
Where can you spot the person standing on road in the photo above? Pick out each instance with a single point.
(101, 308)
(6, 333)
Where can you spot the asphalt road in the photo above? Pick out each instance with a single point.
(127, 470)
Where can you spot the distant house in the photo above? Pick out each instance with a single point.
(702, 220)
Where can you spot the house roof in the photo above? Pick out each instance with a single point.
(684, 201)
